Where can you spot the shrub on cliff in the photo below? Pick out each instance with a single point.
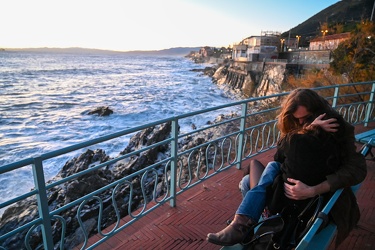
(355, 57)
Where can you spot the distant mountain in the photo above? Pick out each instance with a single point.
(345, 12)
(179, 51)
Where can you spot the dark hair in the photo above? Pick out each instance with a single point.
(314, 103)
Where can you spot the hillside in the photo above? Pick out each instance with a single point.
(179, 51)
(344, 12)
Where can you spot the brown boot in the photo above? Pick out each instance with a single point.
(238, 231)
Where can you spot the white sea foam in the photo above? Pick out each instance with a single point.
(44, 98)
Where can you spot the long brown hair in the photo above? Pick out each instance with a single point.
(314, 103)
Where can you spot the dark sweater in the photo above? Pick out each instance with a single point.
(308, 157)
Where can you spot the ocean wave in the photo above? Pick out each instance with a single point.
(45, 104)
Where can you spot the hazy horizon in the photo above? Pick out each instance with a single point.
(67, 48)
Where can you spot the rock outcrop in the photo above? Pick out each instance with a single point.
(85, 183)
(100, 111)
(263, 80)
(270, 82)
(60, 195)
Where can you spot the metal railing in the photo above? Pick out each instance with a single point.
(151, 173)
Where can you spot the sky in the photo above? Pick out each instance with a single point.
(125, 25)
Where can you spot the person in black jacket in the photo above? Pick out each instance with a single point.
(337, 165)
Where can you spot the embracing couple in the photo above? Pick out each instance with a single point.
(316, 155)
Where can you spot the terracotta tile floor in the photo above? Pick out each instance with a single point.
(205, 208)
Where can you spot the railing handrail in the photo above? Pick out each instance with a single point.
(51, 154)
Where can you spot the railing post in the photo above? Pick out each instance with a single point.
(174, 156)
(242, 135)
(42, 203)
(369, 106)
(335, 97)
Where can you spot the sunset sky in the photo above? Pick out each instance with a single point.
(146, 24)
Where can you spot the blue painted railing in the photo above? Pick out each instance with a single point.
(246, 134)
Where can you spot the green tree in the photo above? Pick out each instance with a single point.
(338, 28)
(355, 57)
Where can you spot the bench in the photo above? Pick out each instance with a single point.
(313, 240)
(366, 137)
(323, 239)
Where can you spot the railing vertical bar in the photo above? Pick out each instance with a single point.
(174, 149)
(335, 97)
(242, 134)
(369, 106)
(42, 203)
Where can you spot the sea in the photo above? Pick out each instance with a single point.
(45, 97)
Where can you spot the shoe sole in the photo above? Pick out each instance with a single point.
(219, 242)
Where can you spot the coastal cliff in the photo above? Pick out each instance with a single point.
(250, 79)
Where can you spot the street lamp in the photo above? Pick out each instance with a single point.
(324, 38)
(298, 37)
(324, 32)
(282, 44)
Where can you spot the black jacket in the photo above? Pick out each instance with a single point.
(336, 161)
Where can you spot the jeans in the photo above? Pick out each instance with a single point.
(254, 201)
(244, 185)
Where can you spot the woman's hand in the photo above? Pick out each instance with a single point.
(298, 190)
(329, 125)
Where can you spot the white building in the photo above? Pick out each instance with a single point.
(329, 42)
(257, 48)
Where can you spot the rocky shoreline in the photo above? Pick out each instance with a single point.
(26, 210)
(251, 79)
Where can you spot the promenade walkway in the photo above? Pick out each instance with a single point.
(205, 208)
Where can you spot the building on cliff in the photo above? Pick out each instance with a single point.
(261, 63)
(329, 42)
(206, 51)
(257, 48)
